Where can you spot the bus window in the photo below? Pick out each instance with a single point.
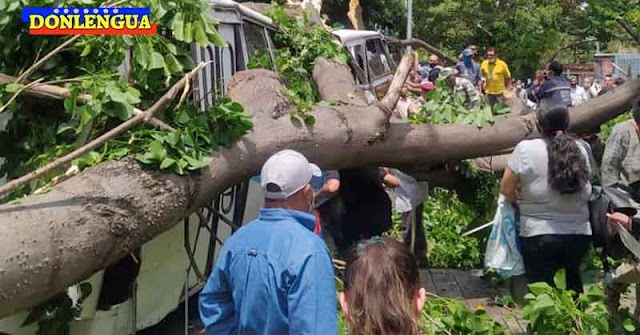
(377, 59)
(358, 54)
(256, 41)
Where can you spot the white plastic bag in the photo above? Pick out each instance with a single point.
(502, 251)
(410, 194)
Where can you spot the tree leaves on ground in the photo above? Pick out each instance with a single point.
(554, 310)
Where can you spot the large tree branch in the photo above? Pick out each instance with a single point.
(56, 92)
(159, 105)
(416, 43)
(629, 29)
(355, 15)
(90, 221)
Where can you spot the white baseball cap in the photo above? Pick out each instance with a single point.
(286, 173)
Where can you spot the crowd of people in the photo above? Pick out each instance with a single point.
(275, 275)
(473, 80)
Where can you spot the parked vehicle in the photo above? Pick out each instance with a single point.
(373, 65)
(143, 288)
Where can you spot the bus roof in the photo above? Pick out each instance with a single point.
(346, 35)
(222, 6)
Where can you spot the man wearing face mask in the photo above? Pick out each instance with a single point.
(467, 68)
(432, 69)
(274, 275)
(496, 77)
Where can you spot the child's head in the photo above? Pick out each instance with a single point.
(382, 293)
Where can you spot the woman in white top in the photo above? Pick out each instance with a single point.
(548, 179)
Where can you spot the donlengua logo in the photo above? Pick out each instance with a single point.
(89, 21)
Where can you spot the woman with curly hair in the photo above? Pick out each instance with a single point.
(547, 179)
(382, 293)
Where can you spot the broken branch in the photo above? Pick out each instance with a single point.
(55, 92)
(159, 105)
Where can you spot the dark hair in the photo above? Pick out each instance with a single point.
(636, 110)
(567, 166)
(492, 49)
(609, 75)
(555, 67)
(380, 282)
(619, 81)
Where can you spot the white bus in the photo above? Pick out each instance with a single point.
(142, 289)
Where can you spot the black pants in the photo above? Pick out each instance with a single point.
(492, 99)
(543, 255)
(349, 223)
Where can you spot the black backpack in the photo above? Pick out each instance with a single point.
(606, 199)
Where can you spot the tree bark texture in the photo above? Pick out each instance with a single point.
(90, 221)
(355, 15)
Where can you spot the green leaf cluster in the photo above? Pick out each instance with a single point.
(447, 214)
(554, 310)
(120, 73)
(444, 316)
(605, 129)
(186, 150)
(199, 134)
(298, 45)
(189, 21)
(445, 107)
(445, 218)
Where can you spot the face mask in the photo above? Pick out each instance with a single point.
(467, 60)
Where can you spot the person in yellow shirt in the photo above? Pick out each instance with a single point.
(496, 77)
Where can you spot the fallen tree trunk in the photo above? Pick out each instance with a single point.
(90, 221)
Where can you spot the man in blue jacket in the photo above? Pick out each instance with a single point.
(274, 275)
(555, 90)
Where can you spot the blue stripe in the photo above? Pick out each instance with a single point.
(28, 11)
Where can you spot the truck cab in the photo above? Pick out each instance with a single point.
(373, 65)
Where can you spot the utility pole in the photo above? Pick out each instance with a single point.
(409, 19)
(409, 25)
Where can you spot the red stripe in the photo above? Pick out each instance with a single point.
(110, 31)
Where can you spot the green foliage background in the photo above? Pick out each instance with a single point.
(526, 32)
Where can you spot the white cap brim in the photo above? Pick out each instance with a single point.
(315, 170)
